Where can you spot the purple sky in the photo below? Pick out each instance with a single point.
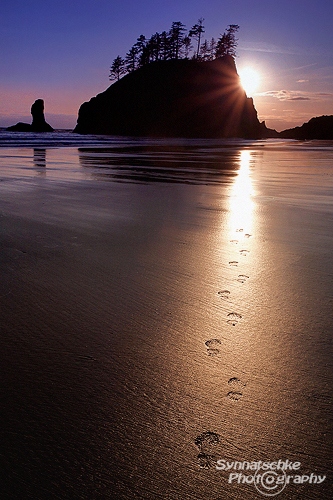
(61, 51)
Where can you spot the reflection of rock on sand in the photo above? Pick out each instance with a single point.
(39, 158)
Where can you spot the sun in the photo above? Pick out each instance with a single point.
(249, 79)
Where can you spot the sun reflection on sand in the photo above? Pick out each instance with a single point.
(241, 204)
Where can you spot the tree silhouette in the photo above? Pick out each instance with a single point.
(139, 46)
(212, 49)
(154, 47)
(204, 54)
(187, 46)
(131, 59)
(207, 50)
(175, 44)
(165, 46)
(196, 32)
(227, 43)
(117, 68)
(176, 38)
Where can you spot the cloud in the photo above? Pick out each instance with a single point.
(302, 81)
(266, 47)
(281, 95)
(295, 95)
(304, 67)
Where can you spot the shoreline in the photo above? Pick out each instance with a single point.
(110, 293)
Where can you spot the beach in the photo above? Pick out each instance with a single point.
(165, 305)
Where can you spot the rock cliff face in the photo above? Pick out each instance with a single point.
(320, 127)
(38, 120)
(178, 98)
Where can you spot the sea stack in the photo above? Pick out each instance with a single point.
(38, 120)
(39, 123)
(174, 98)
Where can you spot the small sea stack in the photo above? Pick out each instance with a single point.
(38, 124)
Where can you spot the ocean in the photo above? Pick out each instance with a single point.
(166, 313)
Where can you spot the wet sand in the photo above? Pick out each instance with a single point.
(149, 329)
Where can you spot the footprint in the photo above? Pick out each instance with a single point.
(233, 318)
(234, 241)
(247, 235)
(224, 294)
(239, 230)
(233, 263)
(212, 342)
(237, 385)
(236, 382)
(206, 438)
(242, 278)
(234, 395)
(244, 252)
(206, 442)
(212, 347)
(213, 352)
(206, 461)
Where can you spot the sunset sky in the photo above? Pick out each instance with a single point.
(61, 51)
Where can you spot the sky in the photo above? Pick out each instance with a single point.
(61, 51)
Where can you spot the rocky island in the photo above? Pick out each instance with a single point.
(38, 124)
(320, 127)
(175, 98)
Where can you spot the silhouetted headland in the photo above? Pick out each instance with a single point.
(320, 127)
(38, 120)
(175, 98)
